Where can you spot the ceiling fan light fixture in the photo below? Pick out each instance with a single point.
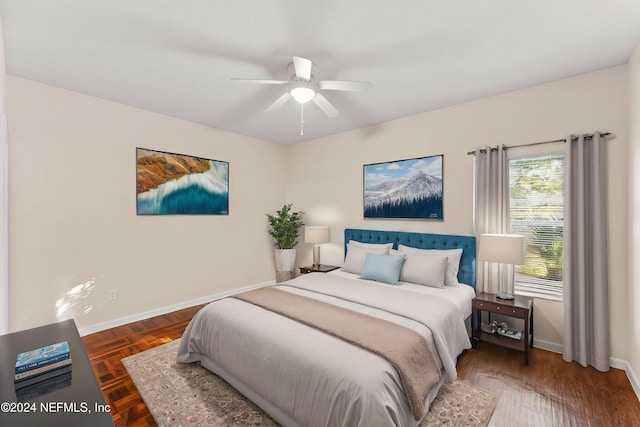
(303, 94)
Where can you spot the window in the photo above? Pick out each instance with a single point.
(537, 211)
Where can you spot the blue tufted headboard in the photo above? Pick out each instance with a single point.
(467, 272)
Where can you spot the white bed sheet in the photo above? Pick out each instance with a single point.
(461, 295)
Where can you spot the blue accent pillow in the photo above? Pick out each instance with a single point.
(382, 268)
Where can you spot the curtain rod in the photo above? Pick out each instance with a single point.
(604, 134)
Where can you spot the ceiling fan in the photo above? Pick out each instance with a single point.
(304, 87)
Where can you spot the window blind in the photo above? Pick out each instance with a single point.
(536, 197)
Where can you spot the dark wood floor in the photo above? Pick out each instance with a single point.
(106, 348)
(548, 392)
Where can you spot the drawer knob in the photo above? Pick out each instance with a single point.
(497, 308)
(513, 311)
(481, 305)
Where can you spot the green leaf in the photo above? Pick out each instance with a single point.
(285, 227)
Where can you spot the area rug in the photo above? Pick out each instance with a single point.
(190, 395)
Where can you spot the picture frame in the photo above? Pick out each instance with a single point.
(180, 184)
(404, 189)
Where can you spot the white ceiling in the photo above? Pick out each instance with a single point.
(177, 57)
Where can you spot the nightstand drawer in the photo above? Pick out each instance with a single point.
(499, 308)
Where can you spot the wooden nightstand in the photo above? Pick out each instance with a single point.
(520, 308)
(322, 268)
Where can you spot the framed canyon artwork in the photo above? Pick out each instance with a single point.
(179, 184)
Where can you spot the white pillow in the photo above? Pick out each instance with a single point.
(453, 261)
(424, 269)
(370, 245)
(356, 255)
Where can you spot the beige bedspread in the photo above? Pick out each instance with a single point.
(406, 350)
(302, 376)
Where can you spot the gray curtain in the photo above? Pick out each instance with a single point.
(491, 211)
(586, 286)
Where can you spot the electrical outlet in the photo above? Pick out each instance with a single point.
(113, 294)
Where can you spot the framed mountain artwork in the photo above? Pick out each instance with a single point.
(404, 189)
(178, 184)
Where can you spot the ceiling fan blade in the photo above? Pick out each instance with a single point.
(302, 67)
(279, 102)
(354, 86)
(325, 105)
(261, 81)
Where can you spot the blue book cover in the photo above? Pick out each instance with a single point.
(42, 356)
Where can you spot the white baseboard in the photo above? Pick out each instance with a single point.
(633, 379)
(546, 345)
(613, 362)
(164, 310)
(626, 366)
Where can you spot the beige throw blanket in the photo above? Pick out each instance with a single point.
(403, 348)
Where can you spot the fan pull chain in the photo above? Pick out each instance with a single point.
(301, 119)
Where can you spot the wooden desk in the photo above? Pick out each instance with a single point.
(77, 401)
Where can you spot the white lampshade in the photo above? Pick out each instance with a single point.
(316, 234)
(302, 94)
(502, 248)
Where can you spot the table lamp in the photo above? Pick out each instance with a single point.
(505, 249)
(316, 235)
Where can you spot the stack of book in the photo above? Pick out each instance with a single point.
(42, 364)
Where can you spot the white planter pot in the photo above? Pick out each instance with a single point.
(285, 264)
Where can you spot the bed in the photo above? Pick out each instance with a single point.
(308, 376)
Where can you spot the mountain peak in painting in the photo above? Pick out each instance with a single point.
(419, 185)
(402, 197)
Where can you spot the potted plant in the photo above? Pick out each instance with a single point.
(285, 227)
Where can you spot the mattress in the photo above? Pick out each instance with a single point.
(302, 376)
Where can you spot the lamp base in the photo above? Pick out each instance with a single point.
(316, 255)
(505, 295)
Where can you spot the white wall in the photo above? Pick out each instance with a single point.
(73, 196)
(4, 289)
(325, 176)
(74, 229)
(634, 213)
